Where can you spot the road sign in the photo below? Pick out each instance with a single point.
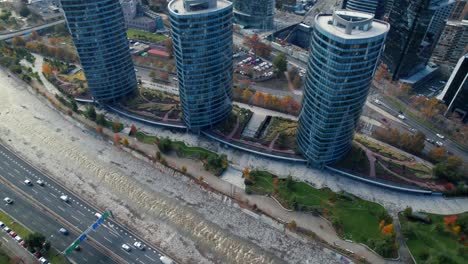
(83, 236)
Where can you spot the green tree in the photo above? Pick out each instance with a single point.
(281, 63)
(164, 145)
(101, 120)
(24, 11)
(91, 112)
(61, 29)
(74, 106)
(35, 240)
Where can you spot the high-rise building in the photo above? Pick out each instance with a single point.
(254, 14)
(453, 43)
(376, 7)
(459, 11)
(98, 31)
(202, 38)
(416, 26)
(345, 50)
(455, 93)
(136, 16)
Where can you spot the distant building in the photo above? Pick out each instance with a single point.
(453, 43)
(202, 37)
(256, 14)
(459, 11)
(136, 17)
(376, 7)
(98, 31)
(345, 51)
(455, 93)
(416, 25)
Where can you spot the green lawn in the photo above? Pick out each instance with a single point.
(360, 219)
(4, 259)
(147, 139)
(143, 35)
(427, 244)
(54, 257)
(19, 229)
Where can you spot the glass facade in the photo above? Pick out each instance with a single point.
(99, 33)
(411, 40)
(254, 14)
(376, 7)
(203, 50)
(339, 74)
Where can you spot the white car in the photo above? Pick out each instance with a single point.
(40, 182)
(8, 200)
(65, 198)
(166, 260)
(139, 245)
(43, 260)
(18, 239)
(28, 182)
(440, 136)
(439, 144)
(402, 117)
(126, 247)
(376, 101)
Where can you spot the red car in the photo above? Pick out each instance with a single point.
(12, 234)
(22, 243)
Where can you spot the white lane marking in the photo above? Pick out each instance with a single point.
(76, 218)
(53, 194)
(81, 213)
(5, 239)
(61, 208)
(17, 171)
(34, 191)
(152, 259)
(107, 239)
(45, 198)
(12, 175)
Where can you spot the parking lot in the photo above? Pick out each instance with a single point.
(247, 65)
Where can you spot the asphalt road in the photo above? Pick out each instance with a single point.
(78, 214)
(25, 31)
(36, 220)
(448, 144)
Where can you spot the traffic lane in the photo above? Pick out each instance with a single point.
(36, 220)
(19, 168)
(60, 207)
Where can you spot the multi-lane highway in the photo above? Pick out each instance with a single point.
(76, 215)
(37, 220)
(26, 31)
(448, 144)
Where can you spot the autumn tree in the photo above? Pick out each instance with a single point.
(125, 141)
(292, 225)
(438, 154)
(246, 95)
(133, 130)
(258, 98)
(275, 185)
(388, 230)
(99, 130)
(245, 171)
(46, 69)
(164, 76)
(259, 48)
(116, 126)
(18, 41)
(169, 45)
(35, 35)
(116, 138)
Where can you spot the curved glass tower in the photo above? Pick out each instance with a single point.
(254, 14)
(345, 50)
(202, 37)
(376, 7)
(99, 33)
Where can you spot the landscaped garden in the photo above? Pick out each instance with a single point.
(155, 105)
(439, 239)
(282, 132)
(235, 123)
(143, 35)
(352, 217)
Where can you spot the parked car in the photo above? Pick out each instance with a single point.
(166, 260)
(23, 244)
(37, 254)
(18, 239)
(43, 260)
(126, 247)
(8, 200)
(12, 233)
(28, 182)
(40, 182)
(6, 229)
(440, 136)
(2, 225)
(376, 101)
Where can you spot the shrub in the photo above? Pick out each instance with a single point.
(184, 169)
(101, 120)
(91, 113)
(164, 145)
(292, 225)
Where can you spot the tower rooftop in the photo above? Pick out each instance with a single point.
(192, 7)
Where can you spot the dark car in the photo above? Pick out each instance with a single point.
(37, 254)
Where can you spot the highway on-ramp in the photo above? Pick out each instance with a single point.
(76, 215)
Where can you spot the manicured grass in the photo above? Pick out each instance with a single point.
(428, 240)
(143, 35)
(19, 229)
(193, 152)
(356, 160)
(4, 259)
(359, 219)
(147, 139)
(381, 149)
